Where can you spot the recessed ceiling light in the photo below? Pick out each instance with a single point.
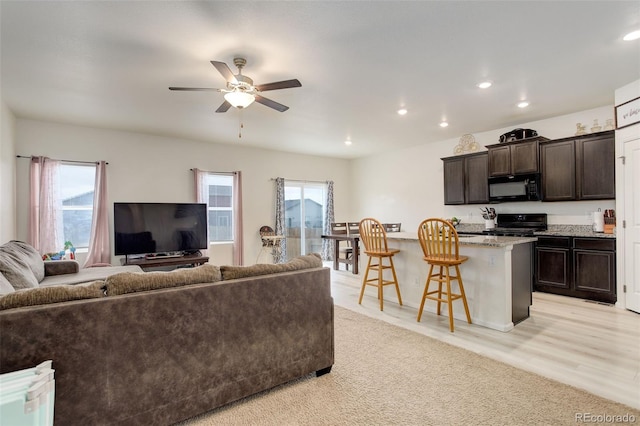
(484, 85)
(402, 111)
(634, 35)
(523, 104)
(347, 142)
(443, 124)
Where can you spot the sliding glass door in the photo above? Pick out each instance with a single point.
(303, 217)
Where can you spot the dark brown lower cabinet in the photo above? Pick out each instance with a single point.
(553, 263)
(577, 267)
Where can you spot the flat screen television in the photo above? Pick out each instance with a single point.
(142, 228)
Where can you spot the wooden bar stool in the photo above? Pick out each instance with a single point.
(374, 238)
(439, 242)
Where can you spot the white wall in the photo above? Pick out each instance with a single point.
(7, 175)
(407, 185)
(148, 168)
(400, 186)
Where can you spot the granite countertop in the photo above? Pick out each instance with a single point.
(469, 240)
(553, 230)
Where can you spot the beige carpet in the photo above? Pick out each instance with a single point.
(386, 375)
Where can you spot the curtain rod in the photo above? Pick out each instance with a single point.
(209, 171)
(66, 161)
(304, 181)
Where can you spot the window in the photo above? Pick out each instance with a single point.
(220, 207)
(304, 211)
(76, 191)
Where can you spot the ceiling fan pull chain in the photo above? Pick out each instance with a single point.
(241, 126)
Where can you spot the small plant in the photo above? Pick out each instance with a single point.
(68, 245)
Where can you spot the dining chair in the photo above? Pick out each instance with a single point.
(344, 253)
(439, 242)
(374, 238)
(392, 227)
(353, 228)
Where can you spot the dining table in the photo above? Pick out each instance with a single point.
(354, 239)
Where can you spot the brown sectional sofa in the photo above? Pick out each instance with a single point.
(22, 267)
(157, 348)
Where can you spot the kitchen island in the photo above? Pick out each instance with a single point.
(497, 277)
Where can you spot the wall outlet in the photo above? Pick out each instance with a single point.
(492, 260)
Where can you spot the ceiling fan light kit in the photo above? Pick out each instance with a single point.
(240, 91)
(239, 99)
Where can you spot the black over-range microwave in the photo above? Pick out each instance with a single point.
(515, 188)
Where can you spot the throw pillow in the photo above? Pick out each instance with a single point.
(31, 257)
(312, 260)
(131, 282)
(53, 294)
(5, 286)
(14, 265)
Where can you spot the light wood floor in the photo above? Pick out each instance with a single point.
(588, 345)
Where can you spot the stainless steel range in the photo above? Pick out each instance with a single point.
(518, 224)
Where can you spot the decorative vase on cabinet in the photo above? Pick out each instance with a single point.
(609, 124)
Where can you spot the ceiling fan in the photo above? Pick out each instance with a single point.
(240, 91)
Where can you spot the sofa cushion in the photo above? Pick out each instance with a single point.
(30, 255)
(60, 267)
(16, 265)
(54, 294)
(131, 282)
(85, 275)
(312, 260)
(5, 286)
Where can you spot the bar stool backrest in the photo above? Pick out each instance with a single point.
(438, 239)
(373, 236)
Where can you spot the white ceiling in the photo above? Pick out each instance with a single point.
(109, 64)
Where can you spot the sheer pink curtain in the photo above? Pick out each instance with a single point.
(45, 206)
(202, 195)
(99, 248)
(238, 246)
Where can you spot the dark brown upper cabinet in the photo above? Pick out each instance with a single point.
(557, 161)
(514, 158)
(465, 179)
(578, 168)
(595, 167)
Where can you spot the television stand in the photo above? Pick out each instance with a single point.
(162, 255)
(163, 261)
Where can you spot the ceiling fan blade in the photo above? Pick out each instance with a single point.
(225, 71)
(195, 88)
(224, 107)
(286, 84)
(271, 104)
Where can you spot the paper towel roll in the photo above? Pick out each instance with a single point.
(598, 221)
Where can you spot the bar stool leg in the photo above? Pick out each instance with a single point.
(380, 283)
(364, 281)
(449, 301)
(395, 280)
(424, 293)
